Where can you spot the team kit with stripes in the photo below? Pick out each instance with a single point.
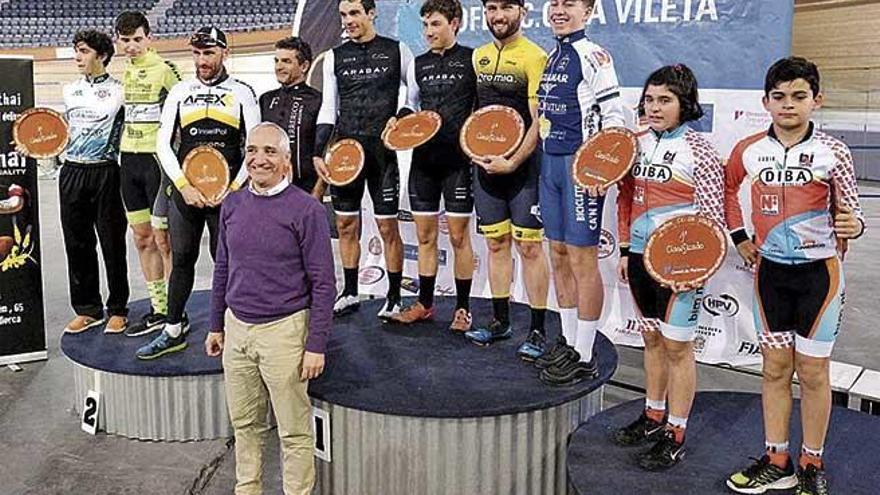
(129, 138)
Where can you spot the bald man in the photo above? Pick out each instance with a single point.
(271, 310)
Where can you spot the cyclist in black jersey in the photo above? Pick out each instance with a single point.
(213, 109)
(442, 80)
(294, 107)
(362, 83)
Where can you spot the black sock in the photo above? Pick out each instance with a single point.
(350, 275)
(463, 293)
(538, 319)
(501, 309)
(394, 279)
(426, 290)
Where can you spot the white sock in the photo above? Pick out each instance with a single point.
(657, 405)
(569, 318)
(677, 422)
(173, 330)
(776, 448)
(586, 335)
(813, 452)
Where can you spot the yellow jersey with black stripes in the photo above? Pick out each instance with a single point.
(510, 75)
(216, 114)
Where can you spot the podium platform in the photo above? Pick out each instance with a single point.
(418, 409)
(179, 396)
(724, 430)
(411, 409)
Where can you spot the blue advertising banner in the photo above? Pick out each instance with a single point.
(728, 43)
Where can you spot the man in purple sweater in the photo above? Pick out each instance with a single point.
(271, 311)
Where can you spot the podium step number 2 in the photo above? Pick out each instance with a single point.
(91, 406)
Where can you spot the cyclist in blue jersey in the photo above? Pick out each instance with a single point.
(578, 96)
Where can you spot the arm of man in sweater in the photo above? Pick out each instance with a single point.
(214, 340)
(318, 262)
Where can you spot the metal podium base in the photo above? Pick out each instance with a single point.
(517, 454)
(176, 408)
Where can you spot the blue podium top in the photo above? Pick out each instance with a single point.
(422, 370)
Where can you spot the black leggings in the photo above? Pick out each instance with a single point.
(186, 225)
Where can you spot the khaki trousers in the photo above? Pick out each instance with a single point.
(261, 365)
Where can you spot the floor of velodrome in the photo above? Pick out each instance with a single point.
(44, 451)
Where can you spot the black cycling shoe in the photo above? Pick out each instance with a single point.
(570, 372)
(663, 455)
(643, 429)
(560, 353)
(812, 481)
(148, 324)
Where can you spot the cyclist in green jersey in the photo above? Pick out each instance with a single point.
(147, 80)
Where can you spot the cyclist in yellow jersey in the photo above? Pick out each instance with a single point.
(506, 189)
(147, 80)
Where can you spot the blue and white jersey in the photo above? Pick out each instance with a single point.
(578, 96)
(95, 116)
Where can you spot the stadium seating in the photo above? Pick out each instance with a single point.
(185, 16)
(25, 23)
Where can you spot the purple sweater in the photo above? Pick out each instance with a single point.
(274, 259)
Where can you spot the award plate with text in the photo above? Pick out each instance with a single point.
(344, 161)
(686, 249)
(413, 131)
(605, 158)
(495, 130)
(40, 132)
(206, 169)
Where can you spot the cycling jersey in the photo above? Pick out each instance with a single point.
(362, 84)
(218, 114)
(147, 80)
(677, 172)
(295, 108)
(509, 75)
(445, 83)
(93, 108)
(793, 193)
(578, 96)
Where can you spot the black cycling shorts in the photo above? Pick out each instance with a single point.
(655, 301)
(508, 204)
(380, 175)
(140, 176)
(805, 299)
(441, 170)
